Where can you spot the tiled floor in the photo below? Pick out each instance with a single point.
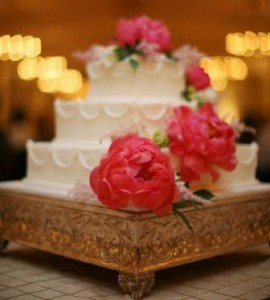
(28, 274)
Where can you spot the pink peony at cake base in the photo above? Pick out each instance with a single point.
(135, 172)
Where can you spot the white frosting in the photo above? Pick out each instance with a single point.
(158, 80)
(91, 121)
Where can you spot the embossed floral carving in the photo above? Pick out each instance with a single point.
(136, 244)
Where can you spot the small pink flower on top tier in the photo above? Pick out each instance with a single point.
(135, 173)
(197, 78)
(143, 29)
(202, 142)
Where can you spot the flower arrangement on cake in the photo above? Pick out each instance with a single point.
(143, 39)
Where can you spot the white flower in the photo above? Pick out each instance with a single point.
(189, 56)
(96, 53)
(82, 192)
(148, 49)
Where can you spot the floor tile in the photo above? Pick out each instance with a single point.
(29, 274)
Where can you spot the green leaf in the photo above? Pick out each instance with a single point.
(123, 52)
(195, 204)
(205, 194)
(160, 138)
(120, 53)
(185, 94)
(169, 55)
(183, 218)
(186, 202)
(182, 203)
(134, 64)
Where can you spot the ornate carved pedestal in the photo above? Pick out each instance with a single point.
(134, 243)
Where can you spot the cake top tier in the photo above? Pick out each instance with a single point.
(145, 46)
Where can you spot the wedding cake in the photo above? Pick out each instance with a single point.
(136, 83)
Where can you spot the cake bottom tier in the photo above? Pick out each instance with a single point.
(64, 164)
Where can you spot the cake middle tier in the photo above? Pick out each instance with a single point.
(93, 121)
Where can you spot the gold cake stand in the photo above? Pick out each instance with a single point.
(136, 244)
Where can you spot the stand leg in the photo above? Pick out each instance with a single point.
(3, 245)
(136, 284)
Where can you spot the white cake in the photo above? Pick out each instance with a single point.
(121, 99)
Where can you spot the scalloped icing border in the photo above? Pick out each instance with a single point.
(91, 111)
(252, 150)
(116, 69)
(41, 153)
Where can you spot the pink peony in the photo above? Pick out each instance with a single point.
(143, 29)
(135, 173)
(197, 78)
(202, 141)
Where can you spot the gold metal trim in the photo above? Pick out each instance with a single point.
(134, 243)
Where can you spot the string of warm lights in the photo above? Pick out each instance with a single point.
(17, 47)
(69, 82)
(248, 43)
(51, 73)
(222, 69)
(41, 67)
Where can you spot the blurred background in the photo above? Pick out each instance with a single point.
(234, 33)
